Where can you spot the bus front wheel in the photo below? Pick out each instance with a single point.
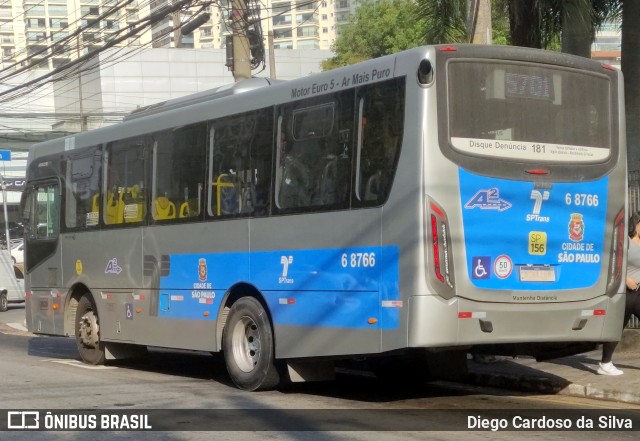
(4, 302)
(88, 332)
(248, 347)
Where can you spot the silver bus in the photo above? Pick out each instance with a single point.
(402, 210)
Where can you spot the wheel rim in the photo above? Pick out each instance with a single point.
(88, 332)
(4, 302)
(245, 344)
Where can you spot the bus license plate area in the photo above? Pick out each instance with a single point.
(537, 273)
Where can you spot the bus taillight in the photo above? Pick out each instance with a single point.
(617, 248)
(440, 242)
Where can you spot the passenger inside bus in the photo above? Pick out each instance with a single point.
(316, 165)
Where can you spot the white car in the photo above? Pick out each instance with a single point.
(11, 283)
(17, 253)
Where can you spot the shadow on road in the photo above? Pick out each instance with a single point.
(353, 385)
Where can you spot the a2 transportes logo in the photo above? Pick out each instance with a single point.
(488, 200)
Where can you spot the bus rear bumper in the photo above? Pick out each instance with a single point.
(458, 322)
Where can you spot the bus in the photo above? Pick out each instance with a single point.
(402, 211)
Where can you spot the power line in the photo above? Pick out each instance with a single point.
(66, 71)
(62, 71)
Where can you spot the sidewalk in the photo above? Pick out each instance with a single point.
(574, 376)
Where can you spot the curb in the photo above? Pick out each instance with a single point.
(541, 385)
(551, 386)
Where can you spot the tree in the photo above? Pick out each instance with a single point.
(446, 19)
(377, 29)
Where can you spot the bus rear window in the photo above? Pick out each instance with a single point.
(528, 112)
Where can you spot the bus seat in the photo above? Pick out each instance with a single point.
(114, 212)
(190, 208)
(94, 204)
(163, 209)
(93, 216)
(328, 181)
(133, 200)
(372, 188)
(247, 199)
(295, 188)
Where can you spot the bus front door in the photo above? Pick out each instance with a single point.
(41, 208)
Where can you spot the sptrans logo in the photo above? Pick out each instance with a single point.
(285, 261)
(537, 197)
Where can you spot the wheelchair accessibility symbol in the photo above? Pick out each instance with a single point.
(129, 310)
(481, 267)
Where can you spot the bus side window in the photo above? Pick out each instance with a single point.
(261, 162)
(233, 176)
(125, 196)
(82, 173)
(381, 119)
(314, 163)
(46, 214)
(177, 195)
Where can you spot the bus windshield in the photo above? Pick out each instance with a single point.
(528, 112)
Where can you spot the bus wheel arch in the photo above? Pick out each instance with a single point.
(87, 331)
(248, 340)
(233, 294)
(73, 297)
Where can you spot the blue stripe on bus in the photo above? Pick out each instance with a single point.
(516, 232)
(321, 287)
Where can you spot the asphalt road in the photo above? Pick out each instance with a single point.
(194, 390)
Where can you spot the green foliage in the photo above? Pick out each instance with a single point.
(377, 28)
(500, 22)
(447, 20)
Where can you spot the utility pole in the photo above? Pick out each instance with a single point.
(83, 118)
(272, 56)
(241, 52)
(479, 21)
(177, 31)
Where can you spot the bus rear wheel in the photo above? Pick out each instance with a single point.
(248, 347)
(87, 332)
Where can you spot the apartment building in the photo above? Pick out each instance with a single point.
(608, 44)
(43, 30)
(46, 33)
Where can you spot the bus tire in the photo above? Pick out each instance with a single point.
(87, 331)
(4, 302)
(248, 346)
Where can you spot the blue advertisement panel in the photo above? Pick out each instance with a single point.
(525, 236)
(322, 287)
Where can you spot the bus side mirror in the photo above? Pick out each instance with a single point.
(24, 208)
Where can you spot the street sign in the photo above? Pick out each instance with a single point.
(5, 155)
